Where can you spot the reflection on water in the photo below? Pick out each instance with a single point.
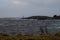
(28, 26)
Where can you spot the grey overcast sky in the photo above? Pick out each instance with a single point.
(19, 8)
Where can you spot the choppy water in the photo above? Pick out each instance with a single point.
(24, 26)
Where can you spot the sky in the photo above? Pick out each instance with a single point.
(20, 8)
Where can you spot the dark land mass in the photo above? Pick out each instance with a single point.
(38, 17)
(56, 17)
(42, 17)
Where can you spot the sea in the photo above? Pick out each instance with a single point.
(29, 26)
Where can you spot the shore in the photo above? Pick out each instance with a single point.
(30, 37)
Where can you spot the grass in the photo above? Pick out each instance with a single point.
(30, 37)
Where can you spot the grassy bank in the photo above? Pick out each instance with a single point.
(30, 37)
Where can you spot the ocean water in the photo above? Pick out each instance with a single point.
(25, 26)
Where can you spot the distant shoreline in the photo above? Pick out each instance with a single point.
(42, 17)
(33, 17)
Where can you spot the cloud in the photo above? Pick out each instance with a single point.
(29, 7)
(17, 2)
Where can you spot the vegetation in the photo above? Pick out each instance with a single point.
(54, 16)
(30, 37)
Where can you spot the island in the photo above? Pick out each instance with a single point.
(42, 17)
